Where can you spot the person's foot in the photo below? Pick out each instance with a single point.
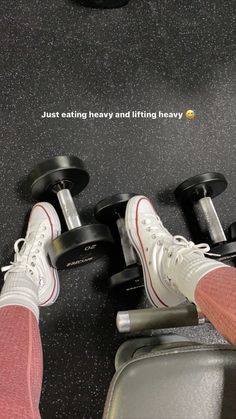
(43, 227)
(168, 261)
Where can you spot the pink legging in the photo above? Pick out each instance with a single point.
(21, 364)
(21, 361)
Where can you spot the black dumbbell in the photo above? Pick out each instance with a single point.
(104, 4)
(65, 176)
(112, 212)
(199, 191)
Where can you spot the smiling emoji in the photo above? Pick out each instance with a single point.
(190, 114)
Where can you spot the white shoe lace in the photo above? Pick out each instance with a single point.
(172, 251)
(169, 250)
(32, 246)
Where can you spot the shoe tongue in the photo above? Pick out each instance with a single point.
(27, 243)
(22, 251)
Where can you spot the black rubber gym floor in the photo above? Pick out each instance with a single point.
(152, 55)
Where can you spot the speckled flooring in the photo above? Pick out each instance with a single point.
(153, 56)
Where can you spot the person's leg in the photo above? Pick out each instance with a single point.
(176, 269)
(20, 363)
(30, 282)
(215, 295)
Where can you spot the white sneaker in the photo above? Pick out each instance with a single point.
(43, 227)
(160, 252)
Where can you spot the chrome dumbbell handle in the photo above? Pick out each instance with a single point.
(199, 191)
(68, 208)
(205, 211)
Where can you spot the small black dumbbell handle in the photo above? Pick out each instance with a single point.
(104, 4)
(68, 208)
(128, 250)
(232, 232)
(158, 318)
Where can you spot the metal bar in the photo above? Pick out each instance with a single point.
(204, 208)
(68, 208)
(158, 318)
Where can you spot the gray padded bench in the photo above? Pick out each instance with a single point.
(168, 378)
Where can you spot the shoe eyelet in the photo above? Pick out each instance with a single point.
(40, 243)
(32, 264)
(34, 257)
(31, 272)
(169, 254)
(37, 251)
(154, 236)
(42, 236)
(159, 242)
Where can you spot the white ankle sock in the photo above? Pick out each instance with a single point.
(20, 290)
(189, 272)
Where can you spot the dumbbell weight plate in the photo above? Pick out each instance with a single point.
(129, 279)
(207, 184)
(112, 208)
(80, 246)
(67, 169)
(108, 211)
(104, 4)
(227, 251)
